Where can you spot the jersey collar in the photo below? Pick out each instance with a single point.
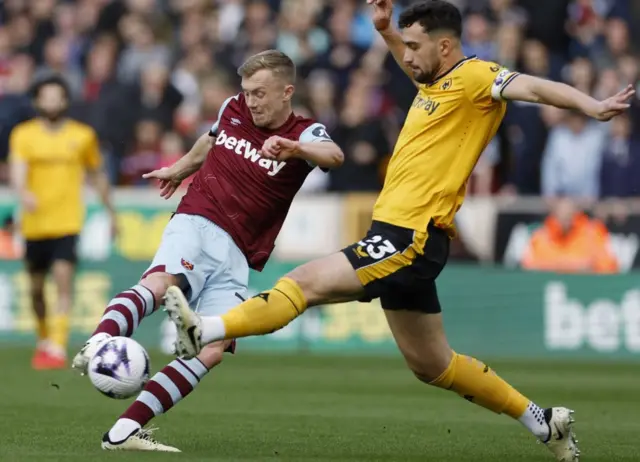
(455, 66)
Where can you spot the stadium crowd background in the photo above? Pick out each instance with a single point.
(150, 76)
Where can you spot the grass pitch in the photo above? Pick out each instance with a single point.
(320, 408)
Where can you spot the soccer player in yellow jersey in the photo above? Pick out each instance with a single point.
(49, 156)
(458, 108)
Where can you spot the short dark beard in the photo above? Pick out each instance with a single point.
(52, 117)
(425, 78)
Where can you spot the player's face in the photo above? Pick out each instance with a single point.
(268, 98)
(51, 102)
(421, 53)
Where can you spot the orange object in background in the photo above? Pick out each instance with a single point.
(569, 241)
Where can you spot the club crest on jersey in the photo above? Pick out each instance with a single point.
(320, 132)
(446, 84)
(245, 149)
(186, 264)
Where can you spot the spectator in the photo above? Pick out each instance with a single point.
(15, 105)
(56, 61)
(142, 51)
(571, 161)
(362, 139)
(10, 244)
(174, 61)
(477, 39)
(144, 155)
(620, 168)
(155, 95)
(171, 150)
(570, 242)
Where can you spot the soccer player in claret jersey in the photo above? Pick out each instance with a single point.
(250, 166)
(458, 108)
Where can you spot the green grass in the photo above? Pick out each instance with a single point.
(299, 408)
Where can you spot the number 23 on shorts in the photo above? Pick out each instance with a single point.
(376, 247)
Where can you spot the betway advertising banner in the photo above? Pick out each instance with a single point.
(489, 312)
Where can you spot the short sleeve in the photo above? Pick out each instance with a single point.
(487, 82)
(18, 150)
(314, 133)
(213, 131)
(92, 159)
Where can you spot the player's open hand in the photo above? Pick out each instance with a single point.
(382, 13)
(279, 148)
(169, 182)
(616, 105)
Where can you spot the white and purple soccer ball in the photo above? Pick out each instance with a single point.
(119, 368)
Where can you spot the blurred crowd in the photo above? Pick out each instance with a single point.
(150, 76)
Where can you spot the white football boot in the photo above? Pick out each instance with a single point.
(139, 440)
(188, 324)
(81, 360)
(562, 441)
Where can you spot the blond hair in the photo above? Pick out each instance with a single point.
(273, 60)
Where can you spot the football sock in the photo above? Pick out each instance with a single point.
(262, 314)
(476, 382)
(42, 329)
(126, 310)
(163, 391)
(533, 418)
(60, 331)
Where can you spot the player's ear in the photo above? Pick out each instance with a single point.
(445, 45)
(288, 92)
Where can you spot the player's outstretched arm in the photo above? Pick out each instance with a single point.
(537, 90)
(325, 154)
(382, 15)
(171, 177)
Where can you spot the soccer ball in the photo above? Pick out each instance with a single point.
(119, 368)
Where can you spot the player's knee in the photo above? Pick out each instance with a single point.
(158, 283)
(212, 354)
(309, 285)
(427, 368)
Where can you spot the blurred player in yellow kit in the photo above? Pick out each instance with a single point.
(49, 156)
(461, 101)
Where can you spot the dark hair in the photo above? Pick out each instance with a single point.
(51, 79)
(433, 15)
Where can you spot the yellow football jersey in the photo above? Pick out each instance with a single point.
(450, 123)
(56, 164)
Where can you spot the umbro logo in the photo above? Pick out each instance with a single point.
(235, 121)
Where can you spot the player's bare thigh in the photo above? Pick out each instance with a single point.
(158, 283)
(422, 341)
(330, 279)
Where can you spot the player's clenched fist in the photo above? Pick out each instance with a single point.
(279, 148)
(382, 12)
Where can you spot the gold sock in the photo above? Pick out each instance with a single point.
(42, 329)
(266, 312)
(60, 330)
(477, 383)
